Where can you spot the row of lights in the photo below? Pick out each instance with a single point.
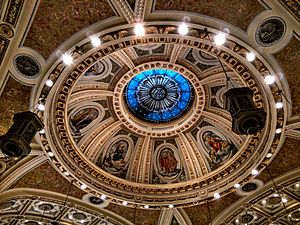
(139, 30)
(254, 172)
(68, 60)
(217, 195)
(103, 197)
(283, 199)
(183, 29)
(237, 220)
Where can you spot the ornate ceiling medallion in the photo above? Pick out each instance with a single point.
(158, 95)
(270, 31)
(158, 157)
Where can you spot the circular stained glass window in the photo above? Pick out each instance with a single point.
(159, 95)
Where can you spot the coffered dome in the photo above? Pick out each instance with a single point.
(143, 108)
(142, 119)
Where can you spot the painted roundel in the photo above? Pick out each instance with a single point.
(159, 95)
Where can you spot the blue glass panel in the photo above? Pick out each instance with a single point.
(182, 105)
(166, 115)
(133, 84)
(171, 73)
(158, 95)
(139, 77)
(185, 96)
(185, 87)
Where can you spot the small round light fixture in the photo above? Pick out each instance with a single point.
(171, 206)
(50, 154)
(284, 200)
(139, 29)
(269, 155)
(264, 202)
(66, 173)
(96, 42)
(183, 29)
(220, 39)
(41, 107)
(124, 203)
(250, 56)
(42, 131)
(146, 206)
(67, 59)
(49, 83)
(83, 187)
(269, 79)
(254, 172)
(278, 130)
(103, 197)
(279, 105)
(217, 196)
(237, 185)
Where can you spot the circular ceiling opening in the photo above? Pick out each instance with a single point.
(158, 95)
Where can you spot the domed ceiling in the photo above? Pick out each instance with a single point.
(137, 123)
(142, 120)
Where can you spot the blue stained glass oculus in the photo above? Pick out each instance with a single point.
(158, 95)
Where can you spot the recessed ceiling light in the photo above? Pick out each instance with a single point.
(264, 202)
(124, 203)
(83, 186)
(66, 173)
(279, 105)
(269, 79)
(220, 39)
(50, 154)
(49, 83)
(183, 29)
(269, 155)
(67, 59)
(278, 130)
(103, 197)
(139, 29)
(297, 185)
(254, 172)
(42, 131)
(284, 200)
(217, 196)
(95, 41)
(171, 206)
(146, 206)
(250, 56)
(41, 107)
(237, 185)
